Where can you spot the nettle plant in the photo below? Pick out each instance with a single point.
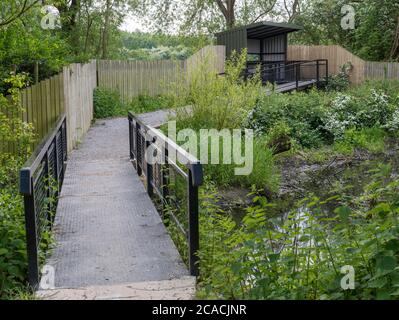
(302, 255)
(18, 134)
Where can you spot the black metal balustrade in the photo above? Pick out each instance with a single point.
(162, 180)
(40, 182)
(290, 75)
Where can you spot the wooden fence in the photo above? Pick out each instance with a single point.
(381, 70)
(70, 91)
(132, 78)
(338, 56)
(80, 80)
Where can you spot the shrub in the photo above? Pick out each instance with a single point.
(13, 262)
(145, 103)
(264, 172)
(107, 104)
(371, 139)
(302, 112)
(218, 102)
(301, 257)
(340, 81)
(224, 103)
(317, 118)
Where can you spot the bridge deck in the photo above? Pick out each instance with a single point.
(107, 229)
(291, 86)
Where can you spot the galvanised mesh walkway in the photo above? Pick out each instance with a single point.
(107, 229)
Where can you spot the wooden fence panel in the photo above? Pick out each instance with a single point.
(44, 102)
(336, 56)
(132, 78)
(381, 70)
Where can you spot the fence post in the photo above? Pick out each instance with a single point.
(193, 234)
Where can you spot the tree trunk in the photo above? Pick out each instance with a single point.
(395, 46)
(106, 30)
(231, 17)
(227, 7)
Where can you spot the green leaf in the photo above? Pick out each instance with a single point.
(385, 265)
(236, 268)
(343, 213)
(392, 245)
(3, 251)
(378, 283)
(274, 257)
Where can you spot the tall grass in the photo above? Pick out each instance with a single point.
(225, 102)
(218, 102)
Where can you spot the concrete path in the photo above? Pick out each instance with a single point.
(107, 230)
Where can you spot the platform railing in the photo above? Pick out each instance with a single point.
(41, 180)
(290, 73)
(172, 177)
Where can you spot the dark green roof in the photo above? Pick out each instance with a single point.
(265, 29)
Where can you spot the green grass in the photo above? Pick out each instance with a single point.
(145, 103)
(370, 139)
(108, 104)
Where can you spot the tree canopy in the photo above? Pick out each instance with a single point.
(91, 28)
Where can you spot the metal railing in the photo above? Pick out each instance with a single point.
(40, 182)
(292, 74)
(172, 164)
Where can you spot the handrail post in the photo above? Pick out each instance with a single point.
(165, 184)
(327, 76)
(148, 166)
(317, 73)
(139, 162)
(298, 69)
(130, 138)
(193, 234)
(31, 239)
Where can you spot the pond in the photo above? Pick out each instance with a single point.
(340, 176)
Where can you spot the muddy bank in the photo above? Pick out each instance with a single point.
(300, 178)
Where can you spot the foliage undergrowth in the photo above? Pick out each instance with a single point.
(17, 138)
(145, 103)
(318, 118)
(108, 103)
(223, 103)
(301, 256)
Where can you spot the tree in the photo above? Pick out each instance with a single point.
(203, 15)
(14, 9)
(376, 32)
(394, 55)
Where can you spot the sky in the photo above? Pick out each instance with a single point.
(132, 23)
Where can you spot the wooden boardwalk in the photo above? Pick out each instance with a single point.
(110, 240)
(291, 86)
